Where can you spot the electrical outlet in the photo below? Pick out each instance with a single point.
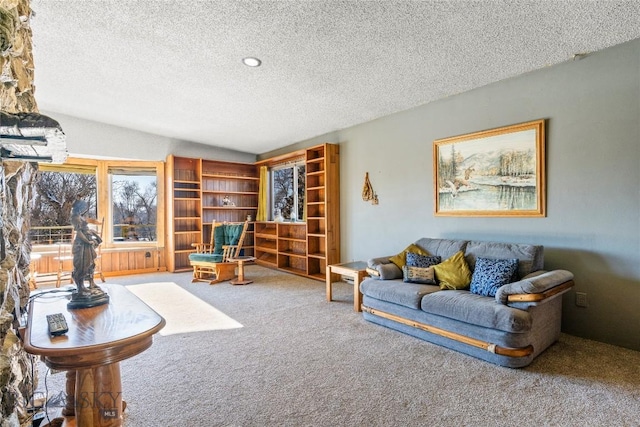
(581, 299)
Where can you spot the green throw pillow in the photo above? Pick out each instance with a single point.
(401, 259)
(453, 273)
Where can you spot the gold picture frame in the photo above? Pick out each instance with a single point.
(497, 173)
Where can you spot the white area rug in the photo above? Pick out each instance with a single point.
(183, 311)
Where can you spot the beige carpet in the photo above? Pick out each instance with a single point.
(301, 361)
(183, 311)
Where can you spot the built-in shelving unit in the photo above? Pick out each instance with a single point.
(306, 248)
(238, 184)
(292, 247)
(184, 205)
(266, 243)
(204, 191)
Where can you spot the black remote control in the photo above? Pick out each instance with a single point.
(57, 324)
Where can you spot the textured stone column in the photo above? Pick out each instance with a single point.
(16, 95)
(16, 58)
(16, 384)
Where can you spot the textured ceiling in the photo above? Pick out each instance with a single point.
(174, 67)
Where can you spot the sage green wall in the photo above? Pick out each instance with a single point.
(592, 227)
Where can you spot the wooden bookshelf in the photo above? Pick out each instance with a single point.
(306, 248)
(184, 206)
(323, 209)
(204, 191)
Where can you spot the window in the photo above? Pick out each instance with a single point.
(54, 195)
(127, 194)
(287, 191)
(134, 211)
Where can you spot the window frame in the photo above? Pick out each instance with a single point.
(103, 196)
(294, 165)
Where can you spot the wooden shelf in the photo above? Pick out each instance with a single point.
(198, 186)
(219, 176)
(300, 255)
(305, 248)
(229, 192)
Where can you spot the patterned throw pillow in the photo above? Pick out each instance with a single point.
(424, 276)
(401, 259)
(453, 273)
(490, 274)
(418, 268)
(419, 260)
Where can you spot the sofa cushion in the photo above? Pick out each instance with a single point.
(397, 292)
(476, 310)
(401, 259)
(453, 273)
(530, 257)
(444, 248)
(490, 274)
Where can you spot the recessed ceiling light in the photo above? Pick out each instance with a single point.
(251, 61)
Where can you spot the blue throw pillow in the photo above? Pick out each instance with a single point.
(424, 261)
(418, 268)
(490, 274)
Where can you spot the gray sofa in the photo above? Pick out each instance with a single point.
(510, 329)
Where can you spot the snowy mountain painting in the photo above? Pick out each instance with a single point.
(496, 173)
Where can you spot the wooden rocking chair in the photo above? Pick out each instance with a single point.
(211, 262)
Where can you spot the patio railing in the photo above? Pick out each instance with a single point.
(64, 234)
(51, 235)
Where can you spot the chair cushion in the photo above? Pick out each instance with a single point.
(226, 234)
(205, 257)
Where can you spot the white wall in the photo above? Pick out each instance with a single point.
(86, 138)
(592, 228)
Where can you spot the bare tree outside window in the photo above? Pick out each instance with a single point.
(288, 189)
(55, 194)
(134, 202)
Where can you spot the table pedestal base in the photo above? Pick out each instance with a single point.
(94, 398)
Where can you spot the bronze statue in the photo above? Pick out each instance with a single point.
(84, 255)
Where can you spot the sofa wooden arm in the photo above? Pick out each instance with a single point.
(542, 295)
(535, 287)
(490, 347)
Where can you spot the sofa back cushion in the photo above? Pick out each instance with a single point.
(530, 257)
(444, 248)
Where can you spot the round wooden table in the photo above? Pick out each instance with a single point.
(97, 340)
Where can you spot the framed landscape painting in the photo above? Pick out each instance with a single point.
(498, 172)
